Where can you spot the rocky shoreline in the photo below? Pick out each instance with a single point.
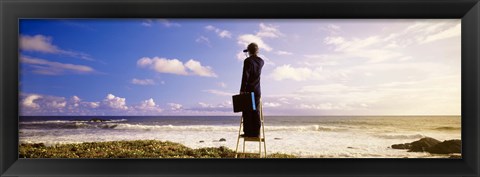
(433, 146)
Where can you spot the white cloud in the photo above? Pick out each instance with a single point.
(75, 104)
(57, 104)
(426, 31)
(372, 48)
(203, 40)
(175, 66)
(203, 108)
(142, 81)
(225, 34)
(281, 52)
(147, 23)
(75, 100)
(380, 98)
(168, 23)
(175, 106)
(392, 45)
(54, 68)
(205, 105)
(332, 29)
(334, 40)
(246, 39)
(285, 72)
(198, 69)
(29, 101)
(94, 104)
(163, 65)
(227, 105)
(450, 32)
(325, 106)
(265, 31)
(219, 92)
(220, 32)
(41, 43)
(269, 31)
(148, 107)
(36, 104)
(114, 102)
(271, 104)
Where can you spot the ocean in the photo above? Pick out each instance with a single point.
(304, 136)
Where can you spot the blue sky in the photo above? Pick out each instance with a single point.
(193, 66)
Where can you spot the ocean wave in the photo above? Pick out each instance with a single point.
(124, 126)
(69, 121)
(412, 136)
(120, 124)
(218, 128)
(448, 128)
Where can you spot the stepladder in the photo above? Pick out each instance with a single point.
(260, 139)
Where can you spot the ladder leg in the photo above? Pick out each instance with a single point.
(236, 149)
(260, 148)
(244, 155)
(265, 147)
(238, 138)
(263, 130)
(264, 139)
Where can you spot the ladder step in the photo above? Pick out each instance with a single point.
(253, 139)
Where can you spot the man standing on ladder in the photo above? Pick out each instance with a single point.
(252, 69)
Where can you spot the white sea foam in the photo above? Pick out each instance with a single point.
(397, 136)
(125, 126)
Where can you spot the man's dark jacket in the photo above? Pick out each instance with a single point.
(252, 69)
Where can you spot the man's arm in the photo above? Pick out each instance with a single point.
(245, 76)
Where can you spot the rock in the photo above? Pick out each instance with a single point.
(447, 147)
(423, 144)
(201, 141)
(222, 139)
(402, 146)
(277, 138)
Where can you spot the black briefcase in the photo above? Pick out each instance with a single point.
(244, 102)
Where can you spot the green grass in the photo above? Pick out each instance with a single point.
(129, 149)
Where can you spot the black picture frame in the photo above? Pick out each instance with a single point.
(467, 10)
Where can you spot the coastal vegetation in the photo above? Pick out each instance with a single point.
(129, 149)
